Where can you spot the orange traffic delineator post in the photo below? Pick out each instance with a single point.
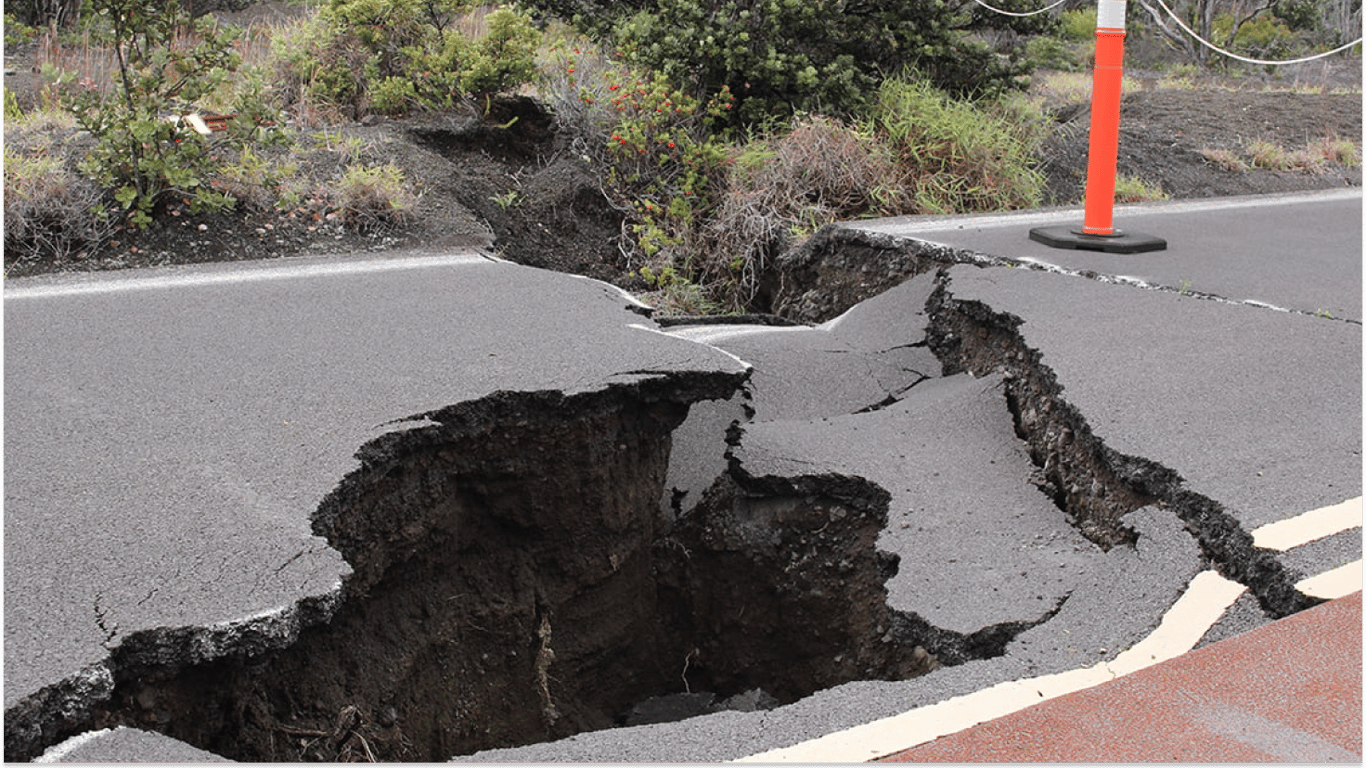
(1097, 232)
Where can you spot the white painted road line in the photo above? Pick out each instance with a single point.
(1310, 526)
(1205, 600)
(179, 279)
(1190, 617)
(909, 226)
(1339, 582)
(710, 334)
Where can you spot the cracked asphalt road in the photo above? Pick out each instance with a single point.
(152, 514)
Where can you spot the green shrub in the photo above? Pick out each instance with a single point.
(17, 32)
(1262, 35)
(658, 148)
(257, 182)
(1051, 53)
(778, 58)
(393, 95)
(394, 56)
(505, 58)
(1079, 26)
(139, 154)
(1298, 14)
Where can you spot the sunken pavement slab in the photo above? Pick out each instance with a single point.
(1052, 449)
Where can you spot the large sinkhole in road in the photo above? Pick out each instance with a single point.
(515, 581)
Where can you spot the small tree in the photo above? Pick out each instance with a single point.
(1255, 27)
(139, 153)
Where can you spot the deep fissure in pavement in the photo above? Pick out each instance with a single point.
(514, 581)
(1095, 485)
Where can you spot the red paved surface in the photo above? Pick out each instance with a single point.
(1289, 691)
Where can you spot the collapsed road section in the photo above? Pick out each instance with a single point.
(980, 473)
(513, 581)
(1089, 445)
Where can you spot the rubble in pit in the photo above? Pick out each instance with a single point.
(777, 584)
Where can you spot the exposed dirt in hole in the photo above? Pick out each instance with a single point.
(514, 581)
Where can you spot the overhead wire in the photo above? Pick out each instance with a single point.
(1193, 34)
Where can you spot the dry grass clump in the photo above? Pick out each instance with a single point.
(374, 198)
(1337, 151)
(1225, 158)
(50, 211)
(1131, 189)
(785, 187)
(1268, 155)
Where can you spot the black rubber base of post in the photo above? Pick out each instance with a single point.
(1119, 242)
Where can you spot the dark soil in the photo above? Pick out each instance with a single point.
(1163, 131)
(520, 193)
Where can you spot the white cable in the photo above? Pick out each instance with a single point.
(1192, 33)
(1232, 55)
(1027, 13)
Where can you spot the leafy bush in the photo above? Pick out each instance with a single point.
(1079, 26)
(778, 58)
(17, 32)
(1298, 14)
(257, 183)
(1263, 35)
(1051, 53)
(504, 58)
(394, 56)
(658, 148)
(143, 157)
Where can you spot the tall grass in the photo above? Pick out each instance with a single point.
(957, 156)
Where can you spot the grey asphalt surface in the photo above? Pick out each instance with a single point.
(188, 456)
(169, 433)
